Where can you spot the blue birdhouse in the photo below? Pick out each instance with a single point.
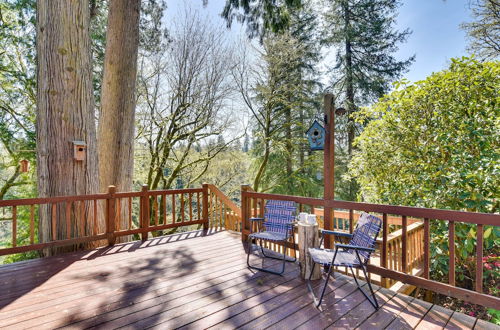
(316, 136)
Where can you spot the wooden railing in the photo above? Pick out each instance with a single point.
(223, 212)
(402, 251)
(89, 218)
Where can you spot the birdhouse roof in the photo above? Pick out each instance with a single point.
(315, 125)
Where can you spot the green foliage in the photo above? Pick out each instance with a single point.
(365, 39)
(436, 143)
(261, 16)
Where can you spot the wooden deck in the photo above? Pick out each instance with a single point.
(189, 281)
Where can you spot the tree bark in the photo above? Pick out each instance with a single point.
(116, 124)
(117, 120)
(65, 110)
(349, 92)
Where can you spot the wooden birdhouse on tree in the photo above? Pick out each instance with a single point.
(25, 165)
(316, 136)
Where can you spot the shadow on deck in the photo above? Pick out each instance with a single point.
(189, 281)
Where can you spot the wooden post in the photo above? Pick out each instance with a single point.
(244, 213)
(111, 215)
(205, 208)
(144, 211)
(329, 167)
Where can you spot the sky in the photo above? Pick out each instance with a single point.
(435, 24)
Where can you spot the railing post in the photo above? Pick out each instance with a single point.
(329, 165)
(244, 213)
(205, 208)
(111, 215)
(144, 221)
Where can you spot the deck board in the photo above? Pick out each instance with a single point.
(191, 282)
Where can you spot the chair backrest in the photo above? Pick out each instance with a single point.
(365, 234)
(278, 216)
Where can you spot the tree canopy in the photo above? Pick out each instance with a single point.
(435, 143)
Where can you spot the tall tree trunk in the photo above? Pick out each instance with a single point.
(116, 123)
(289, 150)
(65, 111)
(349, 91)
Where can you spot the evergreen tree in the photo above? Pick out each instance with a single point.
(363, 33)
(261, 16)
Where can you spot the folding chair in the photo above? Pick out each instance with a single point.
(276, 226)
(356, 254)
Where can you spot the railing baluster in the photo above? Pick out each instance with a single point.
(385, 229)
(96, 221)
(82, 219)
(173, 208)
(68, 219)
(155, 209)
(130, 213)
(404, 245)
(32, 224)
(118, 214)
(427, 244)
(164, 208)
(479, 258)
(451, 237)
(351, 221)
(14, 226)
(198, 205)
(190, 198)
(54, 219)
(182, 207)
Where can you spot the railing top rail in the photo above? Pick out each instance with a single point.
(418, 212)
(49, 200)
(297, 199)
(60, 199)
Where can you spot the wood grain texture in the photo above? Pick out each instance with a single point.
(184, 281)
(117, 116)
(65, 108)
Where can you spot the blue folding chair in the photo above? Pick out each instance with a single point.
(276, 226)
(356, 254)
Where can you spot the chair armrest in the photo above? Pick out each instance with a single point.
(354, 247)
(336, 233)
(256, 219)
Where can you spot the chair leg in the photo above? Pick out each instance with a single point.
(317, 302)
(263, 269)
(373, 300)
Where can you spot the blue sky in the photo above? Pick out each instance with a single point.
(436, 36)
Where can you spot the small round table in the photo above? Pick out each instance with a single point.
(308, 238)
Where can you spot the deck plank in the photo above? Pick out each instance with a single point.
(460, 321)
(436, 318)
(191, 282)
(411, 315)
